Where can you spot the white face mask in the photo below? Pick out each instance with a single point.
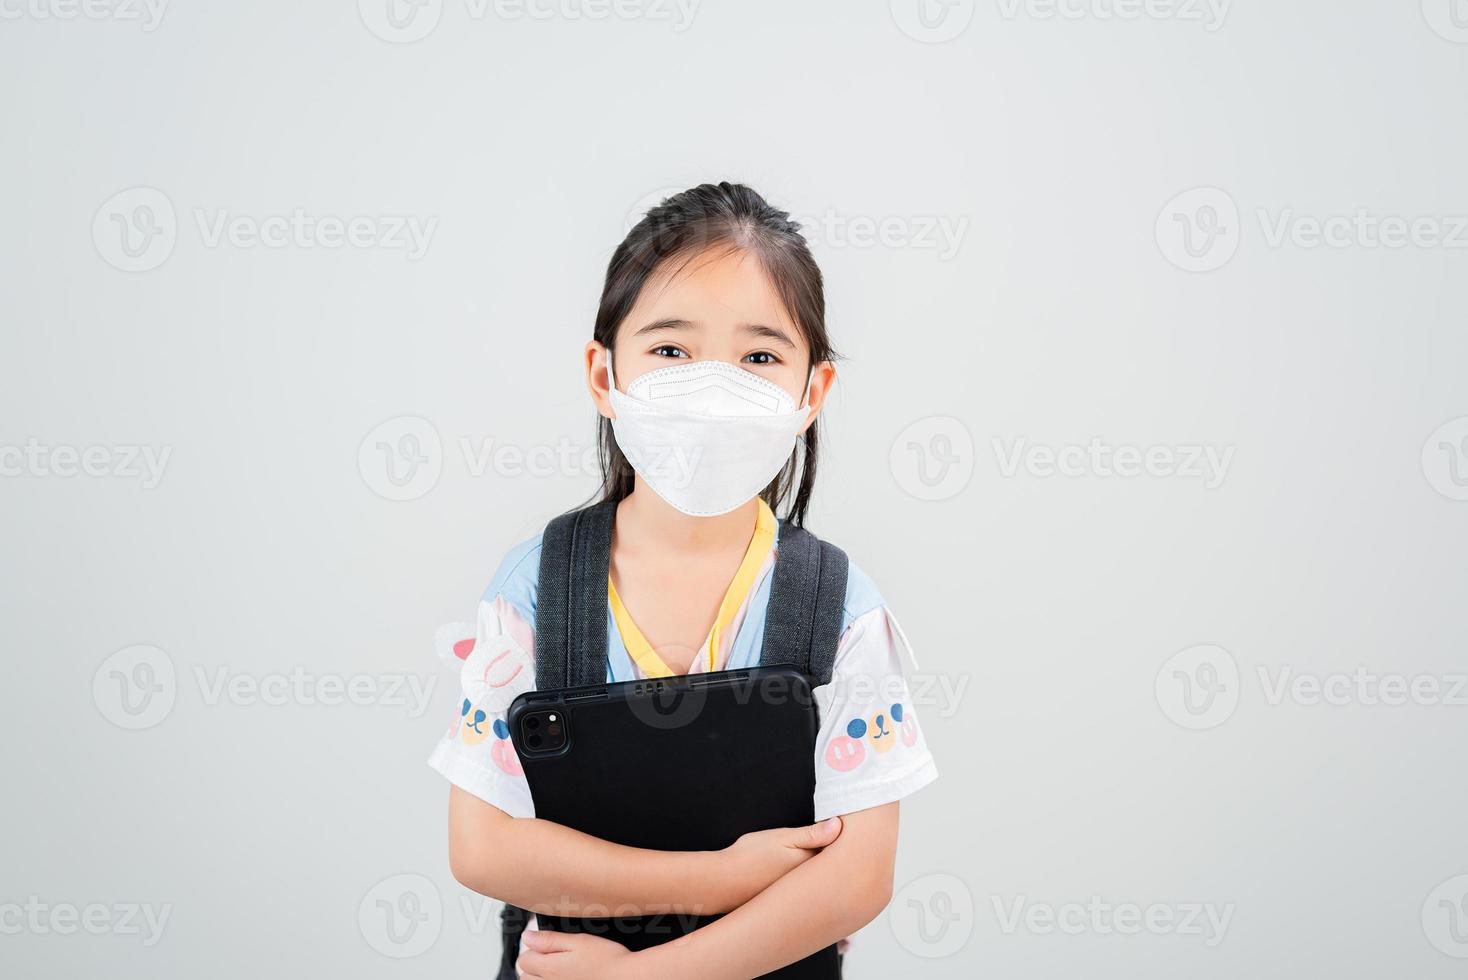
(706, 436)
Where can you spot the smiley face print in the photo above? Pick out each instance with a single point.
(881, 730)
(473, 725)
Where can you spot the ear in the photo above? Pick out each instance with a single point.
(596, 377)
(455, 641)
(822, 380)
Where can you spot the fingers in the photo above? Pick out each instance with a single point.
(547, 941)
(818, 835)
(532, 964)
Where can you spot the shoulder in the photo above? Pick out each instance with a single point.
(517, 577)
(862, 596)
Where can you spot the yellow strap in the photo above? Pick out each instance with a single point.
(641, 651)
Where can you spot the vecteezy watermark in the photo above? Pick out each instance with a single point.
(940, 233)
(135, 688)
(299, 686)
(39, 918)
(934, 695)
(406, 21)
(1198, 688)
(408, 233)
(933, 458)
(833, 229)
(1209, 464)
(137, 229)
(1099, 917)
(1362, 687)
(932, 21)
(1210, 13)
(1200, 230)
(148, 14)
(1445, 459)
(402, 458)
(124, 462)
(1448, 18)
(1445, 917)
(932, 916)
(401, 916)
(1362, 228)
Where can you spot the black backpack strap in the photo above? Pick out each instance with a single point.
(570, 636)
(807, 600)
(571, 599)
(513, 922)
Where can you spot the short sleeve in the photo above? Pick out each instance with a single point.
(494, 668)
(871, 749)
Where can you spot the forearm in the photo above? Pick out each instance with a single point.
(551, 869)
(826, 899)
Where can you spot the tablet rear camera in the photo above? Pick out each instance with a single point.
(544, 731)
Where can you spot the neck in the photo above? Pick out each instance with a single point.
(652, 522)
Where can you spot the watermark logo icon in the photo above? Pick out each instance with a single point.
(645, 203)
(933, 458)
(933, 21)
(1198, 688)
(400, 21)
(671, 705)
(1445, 459)
(1445, 917)
(1448, 18)
(1199, 229)
(933, 916)
(401, 916)
(135, 230)
(136, 687)
(402, 458)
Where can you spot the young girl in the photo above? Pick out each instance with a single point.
(709, 367)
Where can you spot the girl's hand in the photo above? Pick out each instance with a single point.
(575, 956)
(758, 860)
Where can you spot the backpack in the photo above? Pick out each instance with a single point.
(802, 622)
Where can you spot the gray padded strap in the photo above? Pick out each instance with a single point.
(807, 597)
(571, 599)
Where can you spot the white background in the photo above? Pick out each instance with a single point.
(1077, 767)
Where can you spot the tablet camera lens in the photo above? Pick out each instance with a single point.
(535, 741)
(532, 722)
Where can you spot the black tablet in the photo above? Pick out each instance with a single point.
(685, 763)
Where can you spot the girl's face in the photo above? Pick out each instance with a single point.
(719, 306)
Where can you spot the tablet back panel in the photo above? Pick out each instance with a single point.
(677, 764)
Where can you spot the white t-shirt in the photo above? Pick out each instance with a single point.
(870, 751)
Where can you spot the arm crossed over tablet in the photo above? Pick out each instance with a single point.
(788, 892)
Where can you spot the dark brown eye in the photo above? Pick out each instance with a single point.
(761, 357)
(668, 350)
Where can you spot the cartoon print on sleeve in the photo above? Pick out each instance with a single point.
(493, 671)
(475, 728)
(881, 730)
(503, 752)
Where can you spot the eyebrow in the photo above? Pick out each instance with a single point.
(756, 329)
(769, 333)
(668, 323)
